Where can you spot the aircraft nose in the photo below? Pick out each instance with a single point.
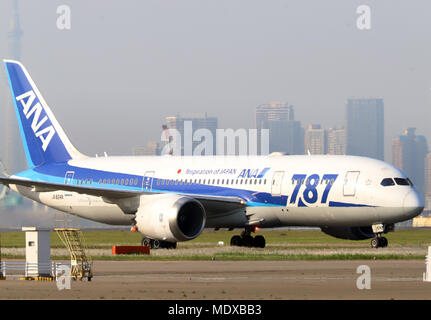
(413, 203)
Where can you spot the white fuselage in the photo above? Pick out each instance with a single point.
(279, 190)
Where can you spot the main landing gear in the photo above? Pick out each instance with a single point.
(246, 240)
(379, 241)
(158, 244)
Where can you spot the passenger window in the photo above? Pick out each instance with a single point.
(387, 182)
(402, 182)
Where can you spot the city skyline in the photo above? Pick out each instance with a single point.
(221, 60)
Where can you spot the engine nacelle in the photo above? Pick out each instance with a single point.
(170, 217)
(350, 233)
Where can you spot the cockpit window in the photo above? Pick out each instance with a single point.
(402, 181)
(387, 182)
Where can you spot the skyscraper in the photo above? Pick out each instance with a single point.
(285, 133)
(428, 182)
(336, 140)
(365, 127)
(181, 123)
(408, 154)
(315, 139)
(14, 151)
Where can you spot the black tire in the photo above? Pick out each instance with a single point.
(155, 244)
(236, 241)
(169, 245)
(259, 242)
(248, 241)
(375, 243)
(146, 242)
(384, 242)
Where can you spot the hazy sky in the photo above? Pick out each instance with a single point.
(126, 65)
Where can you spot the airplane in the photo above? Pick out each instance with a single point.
(173, 198)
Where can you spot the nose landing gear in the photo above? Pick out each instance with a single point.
(379, 242)
(247, 240)
(379, 229)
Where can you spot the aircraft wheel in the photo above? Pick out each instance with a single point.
(155, 244)
(248, 241)
(259, 242)
(236, 241)
(375, 243)
(169, 245)
(384, 242)
(146, 242)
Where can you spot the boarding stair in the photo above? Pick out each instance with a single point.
(73, 239)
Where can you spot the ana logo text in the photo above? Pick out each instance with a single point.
(46, 134)
(253, 173)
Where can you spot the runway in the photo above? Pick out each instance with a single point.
(212, 280)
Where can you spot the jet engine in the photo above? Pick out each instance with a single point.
(170, 217)
(350, 233)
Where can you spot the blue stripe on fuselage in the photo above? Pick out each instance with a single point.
(55, 173)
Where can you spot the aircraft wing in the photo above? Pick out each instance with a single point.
(213, 204)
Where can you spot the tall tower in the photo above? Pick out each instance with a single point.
(337, 140)
(14, 152)
(365, 127)
(316, 139)
(197, 121)
(285, 133)
(408, 154)
(15, 33)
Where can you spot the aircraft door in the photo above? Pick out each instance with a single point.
(276, 183)
(349, 188)
(68, 179)
(147, 182)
